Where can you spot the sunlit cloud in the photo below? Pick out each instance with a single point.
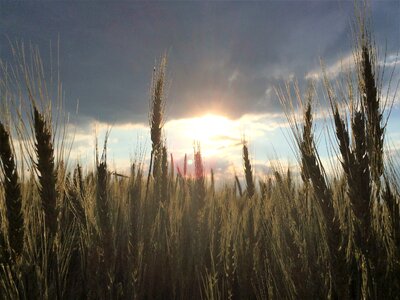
(341, 65)
(219, 137)
(217, 133)
(123, 145)
(347, 63)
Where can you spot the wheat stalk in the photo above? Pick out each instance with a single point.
(250, 188)
(156, 117)
(164, 175)
(13, 196)
(46, 172)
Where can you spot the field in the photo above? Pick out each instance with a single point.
(162, 233)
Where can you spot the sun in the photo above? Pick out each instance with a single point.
(208, 128)
(215, 134)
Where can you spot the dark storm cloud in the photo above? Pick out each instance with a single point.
(222, 56)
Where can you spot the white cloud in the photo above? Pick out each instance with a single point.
(392, 60)
(220, 138)
(235, 74)
(121, 143)
(343, 64)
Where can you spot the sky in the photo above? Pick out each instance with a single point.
(225, 60)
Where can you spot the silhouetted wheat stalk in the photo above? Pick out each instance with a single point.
(102, 201)
(164, 176)
(238, 186)
(46, 172)
(13, 195)
(250, 188)
(76, 195)
(200, 190)
(156, 116)
(370, 99)
(312, 170)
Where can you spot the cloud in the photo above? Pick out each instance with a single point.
(391, 60)
(226, 138)
(221, 56)
(342, 65)
(220, 139)
(233, 77)
(224, 59)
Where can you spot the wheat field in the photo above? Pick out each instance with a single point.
(69, 232)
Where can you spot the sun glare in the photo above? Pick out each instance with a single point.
(213, 132)
(210, 127)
